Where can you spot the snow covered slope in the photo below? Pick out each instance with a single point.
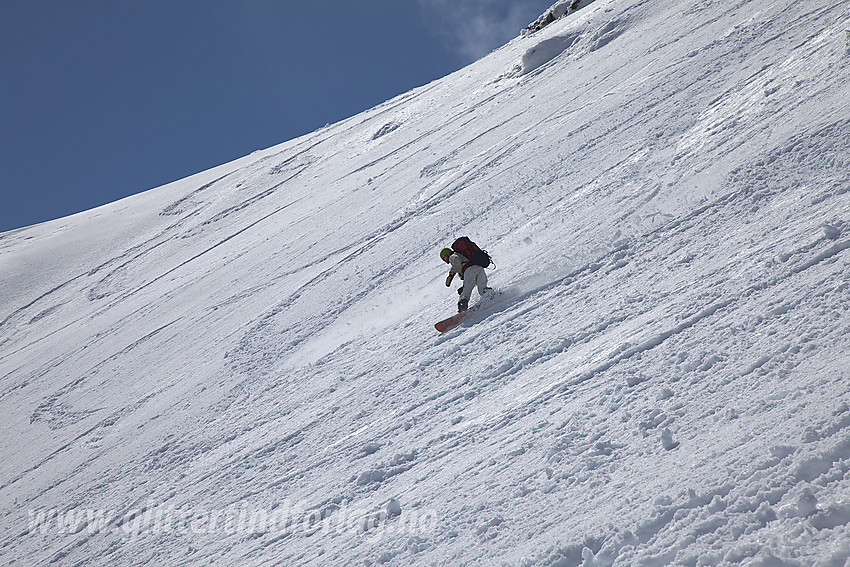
(240, 368)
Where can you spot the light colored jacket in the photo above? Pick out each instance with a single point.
(457, 261)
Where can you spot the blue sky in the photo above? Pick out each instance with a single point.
(102, 99)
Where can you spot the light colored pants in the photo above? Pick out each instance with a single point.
(474, 276)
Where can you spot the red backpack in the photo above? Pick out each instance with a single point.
(468, 248)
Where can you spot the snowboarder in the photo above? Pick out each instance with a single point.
(472, 274)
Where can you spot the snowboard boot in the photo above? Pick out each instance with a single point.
(462, 304)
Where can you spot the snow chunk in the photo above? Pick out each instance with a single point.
(393, 508)
(547, 50)
(803, 505)
(832, 516)
(386, 129)
(665, 394)
(371, 476)
(667, 440)
(370, 448)
(830, 232)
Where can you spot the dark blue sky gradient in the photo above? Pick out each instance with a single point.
(101, 99)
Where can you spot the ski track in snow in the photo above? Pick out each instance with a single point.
(663, 379)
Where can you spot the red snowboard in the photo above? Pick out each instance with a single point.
(455, 320)
(451, 322)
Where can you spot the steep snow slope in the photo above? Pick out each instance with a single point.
(240, 368)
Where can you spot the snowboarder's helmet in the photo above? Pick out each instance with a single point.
(445, 253)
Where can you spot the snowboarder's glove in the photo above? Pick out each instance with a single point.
(449, 280)
(460, 290)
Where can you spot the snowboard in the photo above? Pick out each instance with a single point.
(451, 322)
(455, 320)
